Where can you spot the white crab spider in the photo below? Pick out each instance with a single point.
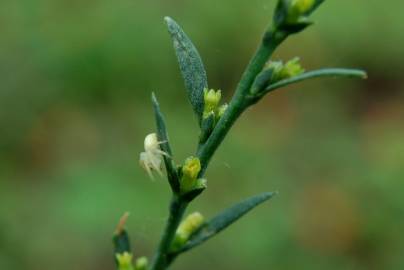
(152, 157)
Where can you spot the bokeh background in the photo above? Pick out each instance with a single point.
(75, 82)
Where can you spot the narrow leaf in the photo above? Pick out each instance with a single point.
(225, 219)
(165, 146)
(121, 242)
(120, 238)
(192, 69)
(327, 72)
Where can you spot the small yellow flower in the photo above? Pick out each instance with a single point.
(191, 168)
(291, 68)
(191, 223)
(124, 261)
(187, 227)
(302, 6)
(285, 71)
(298, 9)
(212, 99)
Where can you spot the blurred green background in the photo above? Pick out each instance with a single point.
(75, 82)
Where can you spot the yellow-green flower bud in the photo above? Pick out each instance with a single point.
(124, 261)
(299, 8)
(187, 227)
(190, 171)
(141, 263)
(284, 71)
(290, 69)
(190, 185)
(190, 224)
(212, 99)
(302, 6)
(191, 168)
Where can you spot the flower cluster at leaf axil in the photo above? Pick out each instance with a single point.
(212, 106)
(212, 112)
(215, 119)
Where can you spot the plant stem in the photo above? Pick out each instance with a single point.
(177, 209)
(272, 38)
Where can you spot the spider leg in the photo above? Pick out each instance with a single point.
(149, 172)
(159, 171)
(161, 152)
(155, 164)
(145, 164)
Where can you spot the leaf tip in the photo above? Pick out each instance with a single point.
(168, 19)
(269, 195)
(171, 24)
(122, 223)
(154, 100)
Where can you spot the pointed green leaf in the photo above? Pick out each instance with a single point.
(192, 69)
(225, 219)
(165, 146)
(120, 238)
(326, 72)
(121, 242)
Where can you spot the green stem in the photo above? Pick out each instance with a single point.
(177, 209)
(239, 103)
(326, 72)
